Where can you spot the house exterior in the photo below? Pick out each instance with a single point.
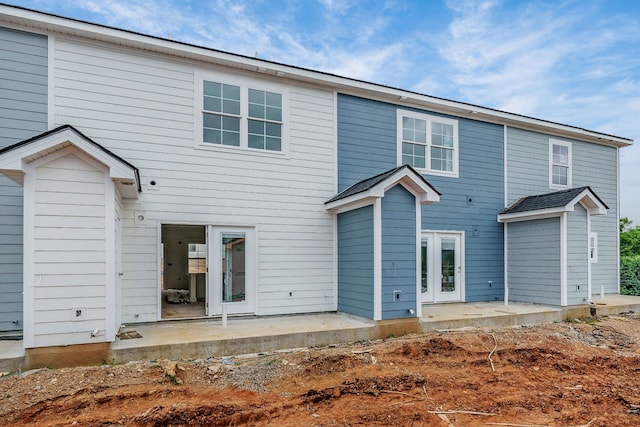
(143, 179)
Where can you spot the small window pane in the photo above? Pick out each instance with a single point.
(213, 104)
(256, 127)
(274, 144)
(274, 99)
(256, 111)
(231, 138)
(213, 121)
(408, 134)
(213, 89)
(256, 96)
(256, 141)
(231, 92)
(273, 129)
(274, 113)
(212, 136)
(231, 123)
(231, 107)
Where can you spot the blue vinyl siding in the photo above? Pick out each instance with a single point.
(593, 165)
(355, 262)
(23, 114)
(367, 146)
(577, 256)
(534, 261)
(398, 253)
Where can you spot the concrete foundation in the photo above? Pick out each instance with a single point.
(209, 338)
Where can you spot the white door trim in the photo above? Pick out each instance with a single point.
(434, 267)
(214, 276)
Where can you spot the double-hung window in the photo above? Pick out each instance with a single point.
(428, 143)
(559, 164)
(241, 115)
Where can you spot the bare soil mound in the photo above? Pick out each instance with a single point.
(570, 374)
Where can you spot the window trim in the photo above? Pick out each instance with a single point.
(245, 84)
(429, 120)
(569, 166)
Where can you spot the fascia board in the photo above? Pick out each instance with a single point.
(530, 215)
(349, 203)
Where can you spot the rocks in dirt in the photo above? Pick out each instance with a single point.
(171, 370)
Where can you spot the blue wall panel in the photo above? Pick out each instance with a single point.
(23, 114)
(367, 146)
(398, 253)
(355, 262)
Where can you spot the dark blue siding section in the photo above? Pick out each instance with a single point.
(398, 253)
(355, 262)
(367, 146)
(23, 114)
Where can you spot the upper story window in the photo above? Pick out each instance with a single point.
(241, 115)
(428, 143)
(559, 164)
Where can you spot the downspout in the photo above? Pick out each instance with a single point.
(589, 260)
(505, 225)
(506, 264)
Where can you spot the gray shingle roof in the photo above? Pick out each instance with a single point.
(368, 183)
(547, 201)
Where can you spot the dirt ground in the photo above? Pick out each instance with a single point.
(579, 373)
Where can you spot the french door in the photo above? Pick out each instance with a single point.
(442, 266)
(232, 275)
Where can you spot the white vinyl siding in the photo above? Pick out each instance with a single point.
(142, 108)
(69, 259)
(594, 165)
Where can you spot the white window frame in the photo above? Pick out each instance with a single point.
(593, 247)
(569, 166)
(429, 119)
(244, 84)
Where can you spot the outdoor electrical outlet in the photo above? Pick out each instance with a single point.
(76, 313)
(490, 283)
(396, 295)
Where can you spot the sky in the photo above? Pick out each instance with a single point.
(575, 62)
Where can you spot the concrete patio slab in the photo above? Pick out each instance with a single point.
(190, 339)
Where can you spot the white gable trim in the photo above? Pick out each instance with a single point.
(14, 162)
(586, 198)
(413, 183)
